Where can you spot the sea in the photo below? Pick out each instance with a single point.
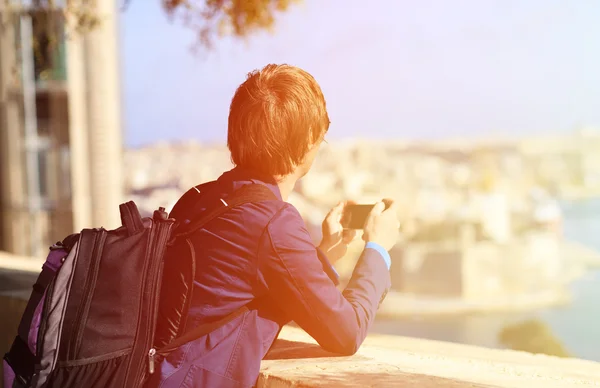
(576, 326)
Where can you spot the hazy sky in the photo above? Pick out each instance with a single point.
(393, 68)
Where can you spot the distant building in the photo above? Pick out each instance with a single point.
(479, 271)
(60, 128)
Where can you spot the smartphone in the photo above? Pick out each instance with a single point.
(355, 216)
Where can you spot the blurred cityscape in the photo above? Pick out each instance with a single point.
(483, 218)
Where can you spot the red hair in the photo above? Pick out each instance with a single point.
(275, 117)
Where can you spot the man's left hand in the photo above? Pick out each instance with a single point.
(335, 237)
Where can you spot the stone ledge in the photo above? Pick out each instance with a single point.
(391, 361)
(9, 261)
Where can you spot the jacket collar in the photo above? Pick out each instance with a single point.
(239, 176)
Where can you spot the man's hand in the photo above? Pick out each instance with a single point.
(335, 238)
(383, 226)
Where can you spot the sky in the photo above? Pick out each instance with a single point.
(388, 68)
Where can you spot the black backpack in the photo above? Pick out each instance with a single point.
(97, 317)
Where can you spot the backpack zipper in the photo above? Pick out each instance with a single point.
(161, 229)
(151, 354)
(163, 236)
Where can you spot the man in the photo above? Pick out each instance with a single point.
(261, 255)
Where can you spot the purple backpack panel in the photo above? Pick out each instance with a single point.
(30, 321)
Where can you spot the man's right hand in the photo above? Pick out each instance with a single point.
(383, 226)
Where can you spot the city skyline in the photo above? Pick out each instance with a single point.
(412, 70)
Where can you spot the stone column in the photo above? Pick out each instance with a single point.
(14, 227)
(79, 154)
(104, 117)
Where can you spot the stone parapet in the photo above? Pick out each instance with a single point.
(393, 361)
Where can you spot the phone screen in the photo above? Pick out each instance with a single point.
(355, 216)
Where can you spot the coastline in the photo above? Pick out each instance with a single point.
(578, 259)
(572, 321)
(398, 305)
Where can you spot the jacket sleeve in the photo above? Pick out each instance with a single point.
(296, 281)
(327, 267)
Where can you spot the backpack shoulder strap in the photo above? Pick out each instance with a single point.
(200, 331)
(250, 193)
(189, 199)
(246, 194)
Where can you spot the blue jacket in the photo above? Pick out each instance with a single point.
(261, 254)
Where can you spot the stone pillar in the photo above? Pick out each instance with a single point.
(79, 154)
(104, 117)
(14, 226)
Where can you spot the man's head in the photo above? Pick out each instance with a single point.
(277, 120)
